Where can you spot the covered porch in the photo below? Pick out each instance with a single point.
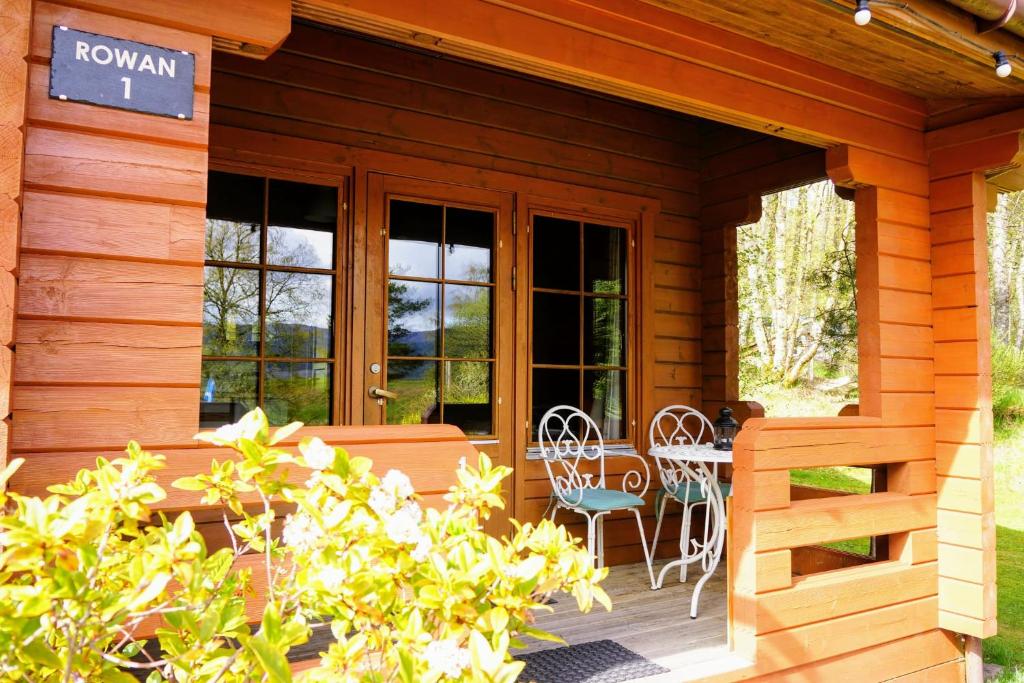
(565, 209)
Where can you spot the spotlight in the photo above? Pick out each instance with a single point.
(863, 14)
(1003, 66)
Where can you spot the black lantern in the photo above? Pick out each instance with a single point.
(725, 430)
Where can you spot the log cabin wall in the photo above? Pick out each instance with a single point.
(109, 308)
(379, 107)
(15, 28)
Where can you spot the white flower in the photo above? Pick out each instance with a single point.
(300, 532)
(232, 432)
(446, 657)
(397, 484)
(422, 548)
(331, 576)
(381, 501)
(318, 455)
(404, 525)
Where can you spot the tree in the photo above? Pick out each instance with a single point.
(797, 284)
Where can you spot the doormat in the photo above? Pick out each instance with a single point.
(601, 661)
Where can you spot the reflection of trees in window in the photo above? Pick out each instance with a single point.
(263, 302)
(402, 306)
(440, 349)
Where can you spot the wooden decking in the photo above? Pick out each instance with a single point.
(654, 624)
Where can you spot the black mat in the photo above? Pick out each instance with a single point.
(602, 661)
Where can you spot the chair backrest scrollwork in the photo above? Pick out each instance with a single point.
(567, 438)
(679, 425)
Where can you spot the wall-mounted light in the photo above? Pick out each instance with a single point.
(862, 15)
(1003, 66)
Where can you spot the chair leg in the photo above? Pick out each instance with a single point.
(657, 527)
(600, 540)
(591, 539)
(643, 544)
(554, 512)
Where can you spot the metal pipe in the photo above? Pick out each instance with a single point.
(993, 14)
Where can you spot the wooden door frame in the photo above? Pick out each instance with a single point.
(593, 204)
(380, 186)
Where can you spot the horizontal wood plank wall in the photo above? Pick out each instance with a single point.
(785, 621)
(15, 25)
(366, 98)
(110, 300)
(737, 168)
(963, 402)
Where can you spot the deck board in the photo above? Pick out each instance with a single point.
(654, 624)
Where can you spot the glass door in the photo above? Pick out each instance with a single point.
(439, 341)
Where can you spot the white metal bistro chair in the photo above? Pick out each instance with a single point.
(570, 440)
(684, 482)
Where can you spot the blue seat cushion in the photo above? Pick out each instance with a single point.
(600, 499)
(692, 494)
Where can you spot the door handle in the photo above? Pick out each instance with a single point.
(377, 392)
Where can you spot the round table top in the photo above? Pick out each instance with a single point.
(692, 453)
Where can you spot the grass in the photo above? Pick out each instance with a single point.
(1007, 648)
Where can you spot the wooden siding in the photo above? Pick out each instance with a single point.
(15, 18)
(779, 624)
(111, 262)
(408, 112)
(643, 52)
(959, 157)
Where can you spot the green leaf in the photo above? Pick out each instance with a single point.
(37, 651)
(271, 659)
(189, 484)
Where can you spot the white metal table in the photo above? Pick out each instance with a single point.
(697, 465)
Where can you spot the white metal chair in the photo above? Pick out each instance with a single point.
(682, 425)
(570, 440)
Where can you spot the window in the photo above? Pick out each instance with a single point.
(268, 300)
(440, 356)
(581, 336)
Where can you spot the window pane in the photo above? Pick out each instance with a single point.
(299, 317)
(604, 259)
(231, 301)
(301, 220)
(234, 215)
(467, 396)
(469, 241)
(228, 391)
(414, 239)
(604, 399)
(556, 329)
(604, 331)
(297, 391)
(552, 388)
(556, 253)
(413, 318)
(467, 321)
(415, 382)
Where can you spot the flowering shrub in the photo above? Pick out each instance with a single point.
(408, 594)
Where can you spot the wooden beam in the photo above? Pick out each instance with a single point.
(260, 24)
(647, 54)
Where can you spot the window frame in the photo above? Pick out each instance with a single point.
(441, 280)
(633, 224)
(335, 359)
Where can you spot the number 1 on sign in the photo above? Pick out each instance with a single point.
(127, 87)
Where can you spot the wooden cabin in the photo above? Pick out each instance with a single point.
(293, 174)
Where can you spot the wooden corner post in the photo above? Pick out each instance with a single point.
(959, 159)
(15, 23)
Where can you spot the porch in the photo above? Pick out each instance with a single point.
(627, 125)
(653, 624)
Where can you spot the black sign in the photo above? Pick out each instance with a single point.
(123, 74)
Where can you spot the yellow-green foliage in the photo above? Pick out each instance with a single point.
(408, 594)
